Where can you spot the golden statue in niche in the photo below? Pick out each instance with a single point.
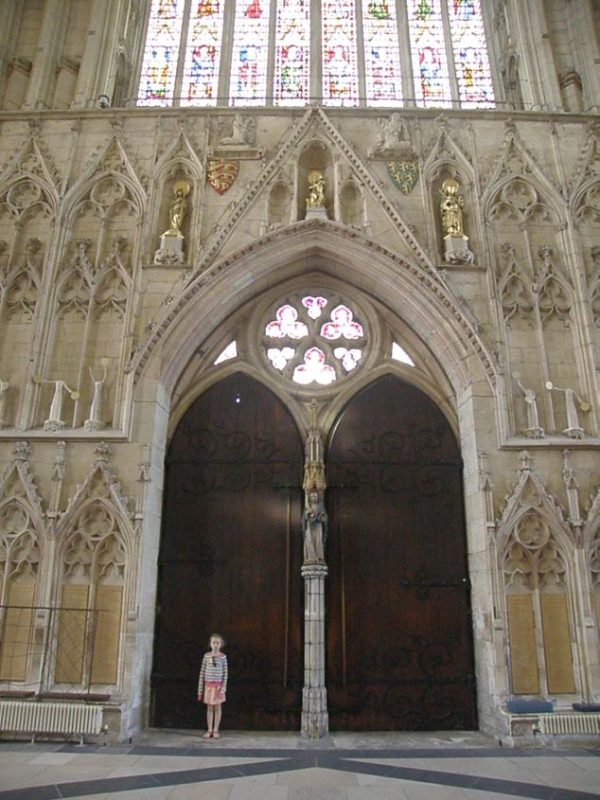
(177, 209)
(451, 208)
(316, 189)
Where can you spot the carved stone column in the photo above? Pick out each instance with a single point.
(315, 719)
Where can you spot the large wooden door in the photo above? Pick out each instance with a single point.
(230, 559)
(399, 654)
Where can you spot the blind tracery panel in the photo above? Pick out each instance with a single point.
(337, 52)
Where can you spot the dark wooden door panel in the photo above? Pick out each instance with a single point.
(230, 559)
(399, 644)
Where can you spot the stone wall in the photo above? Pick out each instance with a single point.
(108, 332)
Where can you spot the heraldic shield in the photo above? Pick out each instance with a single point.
(404, 174)
(222, 174)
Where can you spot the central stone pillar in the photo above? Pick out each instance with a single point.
(315, 719)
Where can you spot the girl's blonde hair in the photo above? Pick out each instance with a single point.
(216, 636)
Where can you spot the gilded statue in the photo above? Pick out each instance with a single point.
(177, 209)
(316, 189)
(451, 209)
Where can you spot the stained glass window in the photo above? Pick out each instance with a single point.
(307, 345)
(292, 53)
(428, 52)
(382, 52)
(159, 65)
(359, 43)
(250, 53)
(203, 52)
(470, 54)
(314, 369)
(340, 68)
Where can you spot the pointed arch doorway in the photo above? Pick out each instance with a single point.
(230, 558)
(399, 651)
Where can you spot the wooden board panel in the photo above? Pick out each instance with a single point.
(230, 558)
(523, 656)
(107, 634)
(16, 635)
(557, 644)
(71, 634)
(399, 649)
(598, 609)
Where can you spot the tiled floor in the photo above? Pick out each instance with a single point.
(180, 765)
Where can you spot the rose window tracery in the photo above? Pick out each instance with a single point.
(314, 340)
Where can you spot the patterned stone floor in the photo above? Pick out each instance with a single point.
(180, 765)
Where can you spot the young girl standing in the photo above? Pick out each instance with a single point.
(212, 684)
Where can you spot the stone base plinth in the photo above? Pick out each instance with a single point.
(170, 251)
(316, 212)
(315, 719)
(534, 433)
(574, 433)
(456, 250)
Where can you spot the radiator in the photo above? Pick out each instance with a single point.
(18, 716)
(569, 723)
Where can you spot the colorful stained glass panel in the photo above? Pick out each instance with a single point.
(470, 54)
(159, 65)
(292, 53)
(203, 53)
(428, 53)
(340, 71)
(314, 369)
(382, 53)
(249, 58)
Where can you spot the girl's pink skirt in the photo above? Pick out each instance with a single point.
(213, 695)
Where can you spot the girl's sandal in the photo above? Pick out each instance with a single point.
(208, 735)
(216, 736)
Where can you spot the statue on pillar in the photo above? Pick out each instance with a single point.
(55, 421)
(573, 429)
(315, 201)
(314, 524)
(315, 719)
(456, 243)
(534, 430)
(314, 517)
(171, 241)
(95, 422)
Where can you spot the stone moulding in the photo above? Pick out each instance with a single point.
(429, 280)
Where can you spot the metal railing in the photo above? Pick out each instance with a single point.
(46, 650)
